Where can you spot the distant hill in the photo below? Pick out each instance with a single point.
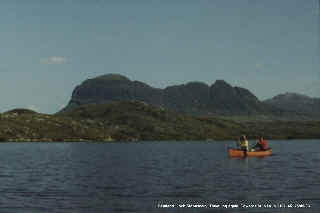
(133, 120)
(194, 98)
(296, 103)
(138, 121)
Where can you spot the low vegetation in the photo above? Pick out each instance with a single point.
(136, 121)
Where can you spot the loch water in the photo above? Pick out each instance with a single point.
(173, 176)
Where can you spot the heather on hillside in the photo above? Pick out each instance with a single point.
(138, 121)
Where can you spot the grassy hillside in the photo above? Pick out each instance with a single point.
(139, 121)
(131, 121)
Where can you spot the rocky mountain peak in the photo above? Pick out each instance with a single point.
(221, 83)
(112, 77)
(196, 98)
(296, 102)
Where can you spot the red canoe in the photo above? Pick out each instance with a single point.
(240, 153)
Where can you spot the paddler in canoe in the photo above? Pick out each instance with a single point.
(261, 145)
(243, 144)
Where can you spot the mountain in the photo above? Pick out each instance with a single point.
(228, 100)
(297, 103)
(193, 98)
(113, 87)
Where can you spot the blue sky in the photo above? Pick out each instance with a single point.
(49, 47)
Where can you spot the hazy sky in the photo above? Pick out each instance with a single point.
(47, 47)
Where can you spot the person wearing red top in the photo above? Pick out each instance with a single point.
(262, 144)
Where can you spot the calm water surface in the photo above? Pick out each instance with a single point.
(143, 177)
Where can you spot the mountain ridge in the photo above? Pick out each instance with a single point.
(296, 102)
(194, 98)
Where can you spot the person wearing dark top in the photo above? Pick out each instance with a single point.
(261, 145)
